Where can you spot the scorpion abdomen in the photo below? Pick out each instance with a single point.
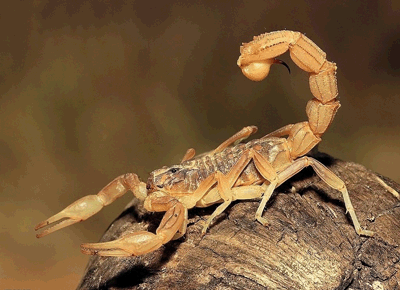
(275, 150)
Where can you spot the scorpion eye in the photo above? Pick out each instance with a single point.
(173, 170)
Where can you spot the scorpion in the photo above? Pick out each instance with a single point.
(234, 170)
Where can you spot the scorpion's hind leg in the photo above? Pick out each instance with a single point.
(172, 226)
(89, 205)
(269, 173)
(388, 188)
(329, 178)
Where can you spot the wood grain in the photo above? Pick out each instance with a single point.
(309, 244)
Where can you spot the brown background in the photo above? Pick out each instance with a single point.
(93, 90)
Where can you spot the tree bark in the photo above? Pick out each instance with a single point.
(309, 244)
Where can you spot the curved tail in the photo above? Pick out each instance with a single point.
(255, 61)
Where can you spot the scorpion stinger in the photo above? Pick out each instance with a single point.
(282, 63)
(302, 137)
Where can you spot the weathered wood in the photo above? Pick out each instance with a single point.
(310, 243)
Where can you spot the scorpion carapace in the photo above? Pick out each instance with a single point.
(233, 170)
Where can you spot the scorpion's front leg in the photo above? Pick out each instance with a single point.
(89, 205)
(172, 226)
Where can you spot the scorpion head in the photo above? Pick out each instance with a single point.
(174, 179)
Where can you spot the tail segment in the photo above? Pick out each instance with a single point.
(255, 61)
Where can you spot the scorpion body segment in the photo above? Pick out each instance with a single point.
(191, 173)
(255, 61)
(234, 170)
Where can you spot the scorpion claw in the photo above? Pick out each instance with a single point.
(134, 244)
(78, 211)
(64, 223)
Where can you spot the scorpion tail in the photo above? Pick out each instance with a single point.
(258, 55)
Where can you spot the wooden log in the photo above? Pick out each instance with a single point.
(309, 244)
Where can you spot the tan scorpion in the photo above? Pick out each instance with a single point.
(233, 171)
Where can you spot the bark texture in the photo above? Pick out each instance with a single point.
(309, 244)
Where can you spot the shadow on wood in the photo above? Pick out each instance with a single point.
(309, 244)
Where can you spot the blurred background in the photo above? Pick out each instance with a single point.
(93, 90)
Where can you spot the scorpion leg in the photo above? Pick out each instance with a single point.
(190, 153)
(173, 225)
(237, 138)
(284, 131)
(89, 205)
(388, 188)
(224, 186)
(329, 178)
(269, 173)
(226, 182)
